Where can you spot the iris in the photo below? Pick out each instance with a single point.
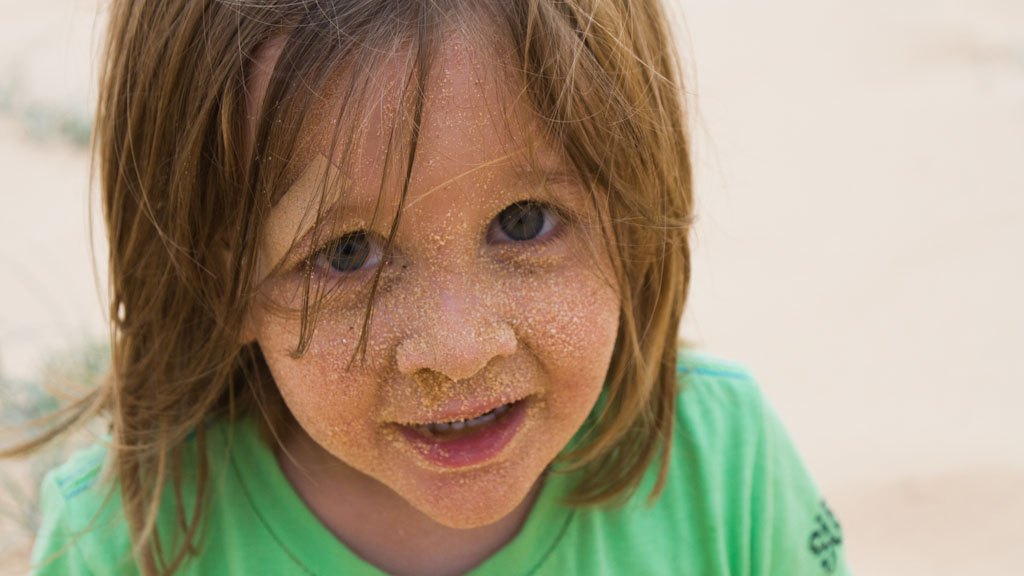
(351, 252)
(522, 221)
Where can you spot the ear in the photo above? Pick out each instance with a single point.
(248, 332)
(252, 314)
(248, 327)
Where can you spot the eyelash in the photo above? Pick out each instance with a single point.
(554, 222)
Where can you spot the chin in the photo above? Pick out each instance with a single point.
(477, 498)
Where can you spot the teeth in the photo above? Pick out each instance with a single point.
(472, 423)
(482, 419)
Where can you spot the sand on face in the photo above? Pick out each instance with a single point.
(859, 245)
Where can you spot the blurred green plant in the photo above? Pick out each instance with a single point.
(72, 125)
(65, 374)
(70, 122)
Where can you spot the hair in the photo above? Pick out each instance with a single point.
(186, 188)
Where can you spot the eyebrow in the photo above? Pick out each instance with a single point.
(528, 173)
(458, 177)
(522, 172)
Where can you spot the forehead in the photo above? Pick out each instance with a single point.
(474, 112)
(471, 118)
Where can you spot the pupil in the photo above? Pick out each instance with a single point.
(522, 221)
(351, 252)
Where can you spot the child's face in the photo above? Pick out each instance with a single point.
(481, 307)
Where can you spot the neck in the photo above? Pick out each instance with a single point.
(378, 525)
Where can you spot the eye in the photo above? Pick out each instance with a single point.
(522, 222)
(349, 253)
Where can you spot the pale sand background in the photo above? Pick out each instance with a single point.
(860, 172)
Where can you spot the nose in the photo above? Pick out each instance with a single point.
(457, 336)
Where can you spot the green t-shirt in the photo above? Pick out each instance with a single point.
(737, 501)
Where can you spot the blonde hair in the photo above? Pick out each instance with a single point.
(186, 191)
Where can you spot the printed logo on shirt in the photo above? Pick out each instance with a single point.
(826, 538)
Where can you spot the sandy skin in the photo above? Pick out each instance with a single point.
(466, 320)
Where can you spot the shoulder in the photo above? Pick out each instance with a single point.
(709, 379)
(719, 432)
(734, 462)
(79, 473)
(719, 401)
(82, 529)
(716, 513)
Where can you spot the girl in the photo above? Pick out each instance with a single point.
(395, 287)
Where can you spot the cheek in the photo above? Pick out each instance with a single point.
(570, 321)
(322, 394)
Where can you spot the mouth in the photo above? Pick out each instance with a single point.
(458, 443)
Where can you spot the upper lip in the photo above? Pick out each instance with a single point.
(457, 410)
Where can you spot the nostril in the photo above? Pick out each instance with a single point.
(435, 388)
(428, 378)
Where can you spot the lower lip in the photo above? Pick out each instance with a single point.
(473, 448)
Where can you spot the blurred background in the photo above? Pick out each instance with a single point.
(860, 245)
